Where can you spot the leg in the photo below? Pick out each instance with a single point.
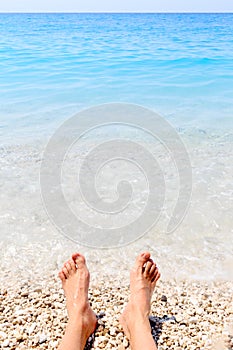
(135, 318)
(82, 320)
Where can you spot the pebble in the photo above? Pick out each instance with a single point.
(192, 315)
(42, 338)
(3, 335)
(5, 343)
(38, 290)
(193, 320)
(164, 298)
(31, 328)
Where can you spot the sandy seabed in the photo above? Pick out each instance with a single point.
(186, 315)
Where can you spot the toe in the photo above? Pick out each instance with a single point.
(79, 259)
(65, 272)
(156, 276)
(68, 266)
(152, 270)
(72, 265)
(142, 259)
(148, 267)
(61, 276)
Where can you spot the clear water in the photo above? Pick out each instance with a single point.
(180, 65)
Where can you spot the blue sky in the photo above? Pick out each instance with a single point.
(116, 6)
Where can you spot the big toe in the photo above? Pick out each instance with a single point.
(79, 259)
(142, 259)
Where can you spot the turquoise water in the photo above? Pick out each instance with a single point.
(53, 65)
(179, 65)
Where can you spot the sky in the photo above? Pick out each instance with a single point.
(116, 6)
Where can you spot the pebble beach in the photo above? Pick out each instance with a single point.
(179, 66)
(184, 315)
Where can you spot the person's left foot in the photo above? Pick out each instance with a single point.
(75, 279)
(143, 279)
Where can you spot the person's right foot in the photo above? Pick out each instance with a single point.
(143, 278)
(75, 282)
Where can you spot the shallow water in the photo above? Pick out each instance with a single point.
(178, 65)
(201, 247)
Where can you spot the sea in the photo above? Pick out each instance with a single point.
(54, 66)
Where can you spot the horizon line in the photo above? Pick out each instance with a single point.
(118, 12)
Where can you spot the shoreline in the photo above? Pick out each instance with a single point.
(188, 314)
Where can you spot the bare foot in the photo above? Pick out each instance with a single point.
(75, 279)
(143, 278)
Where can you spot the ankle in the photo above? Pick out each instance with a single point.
(79, 323)
(141, 326)
(135, 318)
(138, 312)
